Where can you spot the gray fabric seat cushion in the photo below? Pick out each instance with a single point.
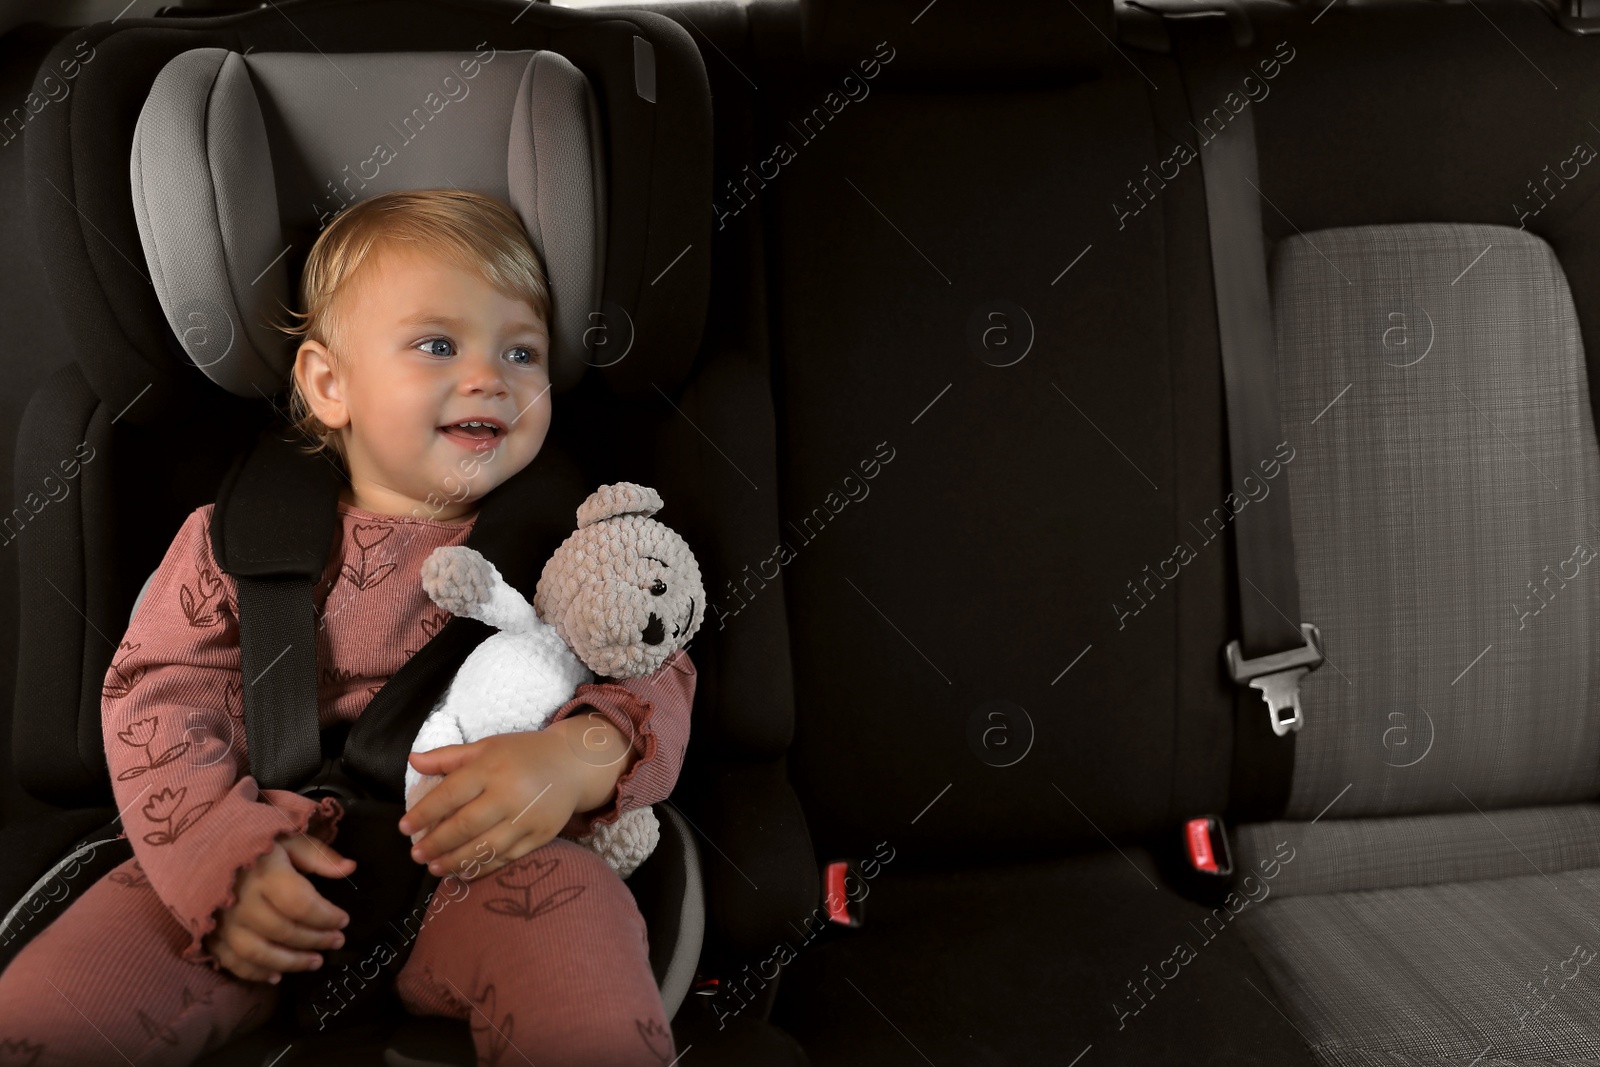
(1433, 382)
(1340, 855)
(1486, 973)
(1433, 385)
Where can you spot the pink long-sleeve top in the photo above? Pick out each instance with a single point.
(173, 716)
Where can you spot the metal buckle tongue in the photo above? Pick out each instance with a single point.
(1278, 677)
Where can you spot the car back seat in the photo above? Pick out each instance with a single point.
(1433, 280)
(986, 430)
(979, 262)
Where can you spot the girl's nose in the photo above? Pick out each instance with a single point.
(483, 375)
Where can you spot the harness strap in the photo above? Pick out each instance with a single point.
(272, 530)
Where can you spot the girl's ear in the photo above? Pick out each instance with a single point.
(313, 369)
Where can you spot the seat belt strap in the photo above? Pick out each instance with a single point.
(272, 530)
(277, 645)
(1275, 650)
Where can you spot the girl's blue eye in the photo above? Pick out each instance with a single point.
(522, 355)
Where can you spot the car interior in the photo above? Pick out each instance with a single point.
(1213, 368)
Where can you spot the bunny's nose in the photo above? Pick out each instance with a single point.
(655, 632)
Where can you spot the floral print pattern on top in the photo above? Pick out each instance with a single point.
(142, 734)
(371, 550)
(365, 575)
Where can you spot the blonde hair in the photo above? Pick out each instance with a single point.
(477, 233)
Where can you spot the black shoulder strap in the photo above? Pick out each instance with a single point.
(1275, 649)
(272, 530)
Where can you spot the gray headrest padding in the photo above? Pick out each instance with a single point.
(235, 157)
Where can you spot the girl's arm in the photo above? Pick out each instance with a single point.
(653, 714)
(172, 716)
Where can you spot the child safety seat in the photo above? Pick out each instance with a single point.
(242, 139)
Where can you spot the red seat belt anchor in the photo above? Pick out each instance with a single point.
(841, 910)
(1206, 842)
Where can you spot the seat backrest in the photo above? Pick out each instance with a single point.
(980, 433)
(1005, 441)
(1444, 507)
(1436, 385)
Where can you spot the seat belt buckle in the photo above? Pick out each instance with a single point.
(1278, 677)
(1205, 841)
(836, 902)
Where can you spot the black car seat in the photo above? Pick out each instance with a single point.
(233, 100)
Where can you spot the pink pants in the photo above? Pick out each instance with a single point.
(547, 958)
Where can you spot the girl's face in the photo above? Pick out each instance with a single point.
(429, 346)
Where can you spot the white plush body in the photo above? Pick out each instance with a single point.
(514, 681)
(510, 683)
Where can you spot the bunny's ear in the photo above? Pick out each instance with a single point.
(620, 498)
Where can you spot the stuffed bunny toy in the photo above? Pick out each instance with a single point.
(619, 596)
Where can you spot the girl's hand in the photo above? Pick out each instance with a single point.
(502, 797)
(278, 915)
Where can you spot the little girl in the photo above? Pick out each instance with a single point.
(423, 366)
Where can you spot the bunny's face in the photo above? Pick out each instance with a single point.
(624, 592)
